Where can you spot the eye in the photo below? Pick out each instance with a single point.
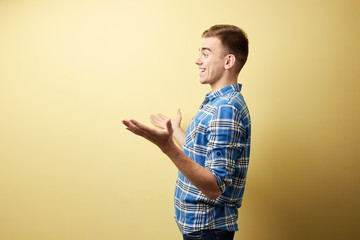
(204, 54)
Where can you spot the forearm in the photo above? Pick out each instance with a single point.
(201, 177)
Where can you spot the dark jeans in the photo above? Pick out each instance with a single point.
(210, 235)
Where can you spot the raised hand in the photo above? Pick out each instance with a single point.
(202, 178)
(160, 120)
(161, 138)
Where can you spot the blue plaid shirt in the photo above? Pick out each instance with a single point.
(218, 138)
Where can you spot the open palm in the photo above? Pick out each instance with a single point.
(161, 138)
(160, 120)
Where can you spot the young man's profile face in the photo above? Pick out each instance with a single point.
(211, 61)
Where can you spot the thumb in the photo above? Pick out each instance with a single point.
(179, 114)
(168, 125)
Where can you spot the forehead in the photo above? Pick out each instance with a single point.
(213, 44)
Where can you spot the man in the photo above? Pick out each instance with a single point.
(216, 147)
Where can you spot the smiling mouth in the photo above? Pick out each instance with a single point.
(202, 70)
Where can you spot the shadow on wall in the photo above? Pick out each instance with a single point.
(300, 186)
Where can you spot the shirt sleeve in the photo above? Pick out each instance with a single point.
(224, 146)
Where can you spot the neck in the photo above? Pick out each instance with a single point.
(223, 83)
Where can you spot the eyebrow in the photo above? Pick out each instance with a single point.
(205, 48)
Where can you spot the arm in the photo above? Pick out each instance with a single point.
(202, 178)
(160, 121)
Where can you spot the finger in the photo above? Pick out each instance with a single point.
(163, 116)
(132, 128)
(155, 120)
(142, 127)
(126, 122)
(142, 130)
(179, 113)
(156, 123)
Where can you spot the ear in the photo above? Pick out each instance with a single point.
(229, 61)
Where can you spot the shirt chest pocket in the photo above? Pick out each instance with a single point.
(191, 133)
(197, 136)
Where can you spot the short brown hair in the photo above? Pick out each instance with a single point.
(233, 39)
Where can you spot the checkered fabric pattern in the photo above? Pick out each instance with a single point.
(218, 138)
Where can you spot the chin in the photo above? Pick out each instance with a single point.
(203, 81)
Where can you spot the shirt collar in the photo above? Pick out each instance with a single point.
(224, 91)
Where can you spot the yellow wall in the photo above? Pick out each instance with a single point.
(70, 71)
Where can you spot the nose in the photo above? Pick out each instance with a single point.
(198, 61)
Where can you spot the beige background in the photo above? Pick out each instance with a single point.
(70, 71)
